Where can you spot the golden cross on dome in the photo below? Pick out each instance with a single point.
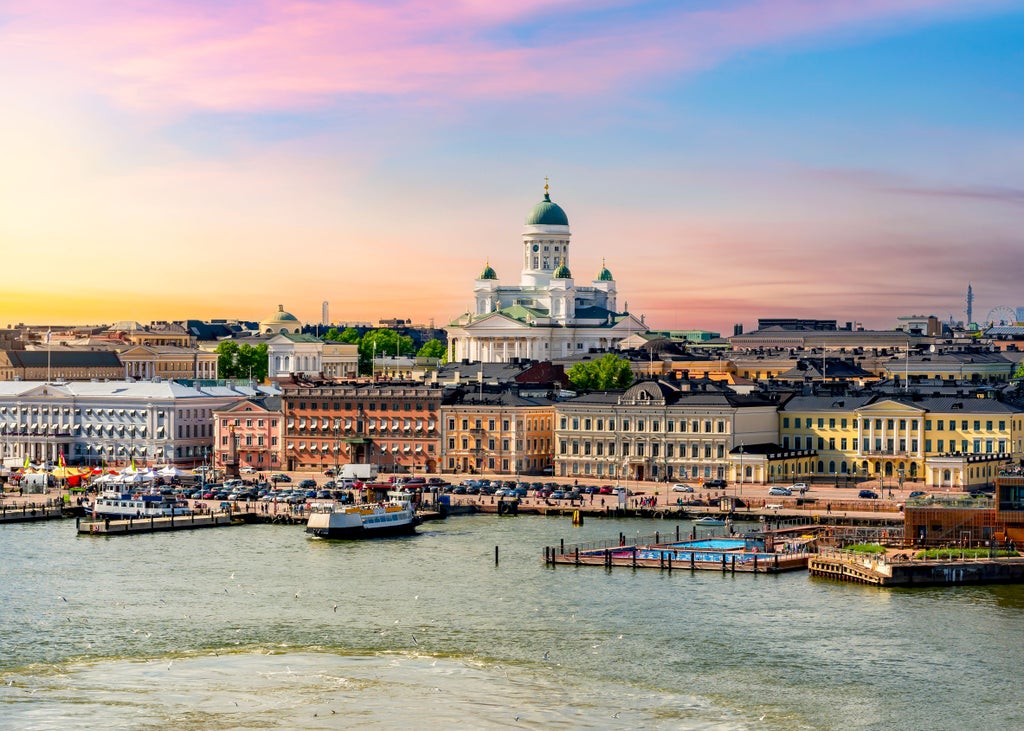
(545, 185)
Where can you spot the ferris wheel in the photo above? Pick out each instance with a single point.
(1002, 315)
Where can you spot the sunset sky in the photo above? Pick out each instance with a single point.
(729, 159)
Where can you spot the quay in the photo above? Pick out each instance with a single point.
(901, 569)
(750, 553)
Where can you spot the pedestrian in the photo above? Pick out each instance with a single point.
(828, 508)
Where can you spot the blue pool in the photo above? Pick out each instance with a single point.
(716, 544)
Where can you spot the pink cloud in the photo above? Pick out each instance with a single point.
(295, 53)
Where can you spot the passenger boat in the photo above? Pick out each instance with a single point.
(391, 518)
(126, 505)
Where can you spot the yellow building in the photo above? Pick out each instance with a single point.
(953, 442)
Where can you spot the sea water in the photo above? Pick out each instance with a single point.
(260, 627)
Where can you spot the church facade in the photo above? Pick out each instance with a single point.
(546, 316)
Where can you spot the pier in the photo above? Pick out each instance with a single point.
(30, 512)
(131, 526)
(903, 570)
(750, 553)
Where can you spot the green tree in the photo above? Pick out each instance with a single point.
(350, 335)
(242, 361)
(433, 348)
(382, 343)
(1019, 373)
(227, 359)
(606, 373)
(253, 362)
(332, 335)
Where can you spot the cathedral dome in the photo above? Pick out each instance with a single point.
(488, 272)
(547, 213)
(281, 322)
(562, 272)
(604, 275)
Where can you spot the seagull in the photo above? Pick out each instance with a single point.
(232, 574)
(546, 656)
(415, 640)
(63, 599)
(763, 716)
(335, 606)
(169, 664)
(297, 595)
(616, 714)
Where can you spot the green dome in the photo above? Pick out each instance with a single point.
(605, 275)
(562, 272)
(547, 213)
(488, 272)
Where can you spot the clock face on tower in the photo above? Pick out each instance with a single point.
(536, 248)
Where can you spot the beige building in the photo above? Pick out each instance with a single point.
(340, 361)
(496, 433)
(660, 430)
(146, 362)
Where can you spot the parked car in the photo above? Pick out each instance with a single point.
(715, 483)
(779, 491)
(307, 484)
(916, 493)
(280, 478)
(868, 495)
(800, 487)
(248, 469)
(678, 487)
(606, 490)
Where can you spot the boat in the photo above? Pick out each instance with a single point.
(394, 517)
(708, 520)
(126, 505)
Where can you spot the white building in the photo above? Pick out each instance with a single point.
(112, 422)
(294, 354)
(546, 315)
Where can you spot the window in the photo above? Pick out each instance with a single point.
(796, 422)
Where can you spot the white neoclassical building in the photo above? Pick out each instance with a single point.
(546, 315)
(294, 354)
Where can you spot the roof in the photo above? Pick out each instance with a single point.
(547, 213)
(64, 359)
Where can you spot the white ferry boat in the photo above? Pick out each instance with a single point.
(392, 518)
(127, 505)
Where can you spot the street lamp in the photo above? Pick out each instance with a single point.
(741, 468)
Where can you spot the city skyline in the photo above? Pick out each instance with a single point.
(728, 160)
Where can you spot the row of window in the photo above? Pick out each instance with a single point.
(975, 446)
(695, 450)
(369, 406)
(707, 426)
(890, 424)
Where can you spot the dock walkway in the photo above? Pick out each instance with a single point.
(902, 570)
(130, 526)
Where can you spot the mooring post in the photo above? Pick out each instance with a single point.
(755, 563)
(677, 534)
(724, 567)
(670, 563)
(634, 556)
(577, 555)
(561, 545)
(734, 564)
(495, 555)
(657, 536)
(693, 562)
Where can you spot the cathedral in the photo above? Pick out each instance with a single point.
(546, 316)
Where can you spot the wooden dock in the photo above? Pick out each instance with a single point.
(131, 526)
(881, 570)
(27, 513)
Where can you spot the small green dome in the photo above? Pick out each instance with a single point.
(547, 213)
(605, 275)
(562, 272)
(488, 272)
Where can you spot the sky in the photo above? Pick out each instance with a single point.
(728, 159)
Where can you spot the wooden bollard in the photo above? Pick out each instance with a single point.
(670, 563)
(495, 555)
(724, 565)
(577, 555)
(734, 564)
(634, 556)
